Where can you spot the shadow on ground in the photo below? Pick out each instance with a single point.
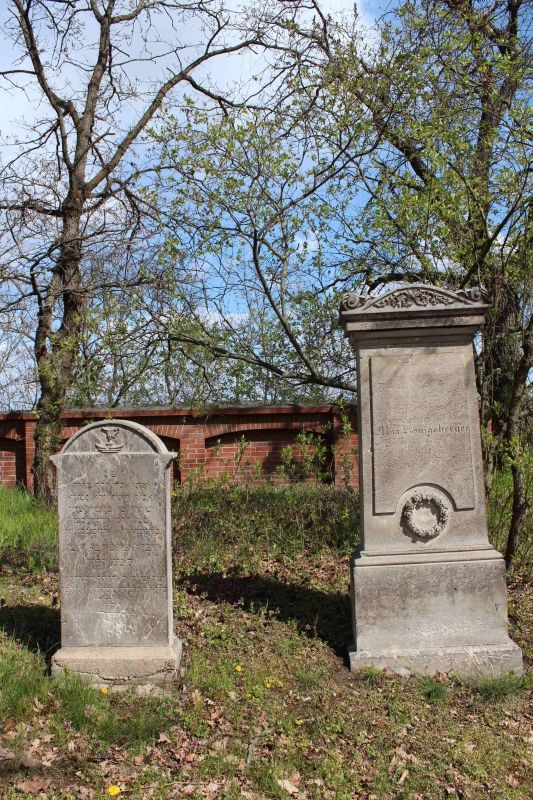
(36, 627)
(318, 614)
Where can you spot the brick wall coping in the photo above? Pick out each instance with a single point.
(185, 411)
(268, 429)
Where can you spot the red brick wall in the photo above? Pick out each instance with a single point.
(8, 463)
(207, 443)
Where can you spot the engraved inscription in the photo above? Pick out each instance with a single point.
(421, 432)
(113, 544)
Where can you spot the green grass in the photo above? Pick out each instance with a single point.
(28, 531)
(434, 690)
(266, 702)
(22, 680)
(504, 686)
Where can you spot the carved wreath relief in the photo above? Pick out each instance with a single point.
(425, 505)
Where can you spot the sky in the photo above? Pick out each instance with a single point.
(20, 105)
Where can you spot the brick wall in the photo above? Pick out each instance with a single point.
(208, 443)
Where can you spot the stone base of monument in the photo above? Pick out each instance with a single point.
(468, 662)
(120, 668)
(432, 612)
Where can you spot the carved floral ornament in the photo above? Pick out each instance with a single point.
(413, 296)
(425, 500)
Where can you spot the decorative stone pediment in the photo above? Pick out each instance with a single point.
(416, 296)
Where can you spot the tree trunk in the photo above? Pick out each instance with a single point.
(55, 352)
(520, 507)
(47, 441)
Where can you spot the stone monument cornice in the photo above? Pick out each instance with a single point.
(418, 299)
(413, 309)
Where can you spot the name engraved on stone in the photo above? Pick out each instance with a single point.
(421, 431)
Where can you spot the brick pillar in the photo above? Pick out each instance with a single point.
(345, 449)
(28, 442)
(192, 453)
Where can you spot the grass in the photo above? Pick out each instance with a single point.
(434, 690)
(266, 707)
(28, 531)
(499, 512)
(504, 686)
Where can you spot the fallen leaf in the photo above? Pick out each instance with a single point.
(29, 761)
(34, 785)
(196, 697)
(288, 786)
(403, 777)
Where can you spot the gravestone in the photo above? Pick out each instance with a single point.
(428, 590)
(115, 557)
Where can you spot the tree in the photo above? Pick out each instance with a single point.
(450, 190)
(254, 200)
(423, 168)
(71, 183)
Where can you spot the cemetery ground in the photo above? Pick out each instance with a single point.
(266, 707)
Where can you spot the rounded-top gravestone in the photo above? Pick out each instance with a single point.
(115, 557)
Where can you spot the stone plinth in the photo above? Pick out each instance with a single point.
(428, 589)
(115, 557)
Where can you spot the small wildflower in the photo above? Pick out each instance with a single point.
(268, 685)
(238, 668)
(104, 690)
(113, 790)
(298, 722)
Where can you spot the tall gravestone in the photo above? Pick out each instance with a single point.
(428, 589)
(115, 557)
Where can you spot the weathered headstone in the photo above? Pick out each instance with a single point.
(428, 589)
(115, 557)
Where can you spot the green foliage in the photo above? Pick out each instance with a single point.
(215, 518)
(372, 675)
(28, 531)
(312, 461)
(499, 512)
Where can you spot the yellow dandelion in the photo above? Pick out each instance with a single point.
(113, 790)
(238, 668)
(298, 722)
(268, 685)
(104, 690)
